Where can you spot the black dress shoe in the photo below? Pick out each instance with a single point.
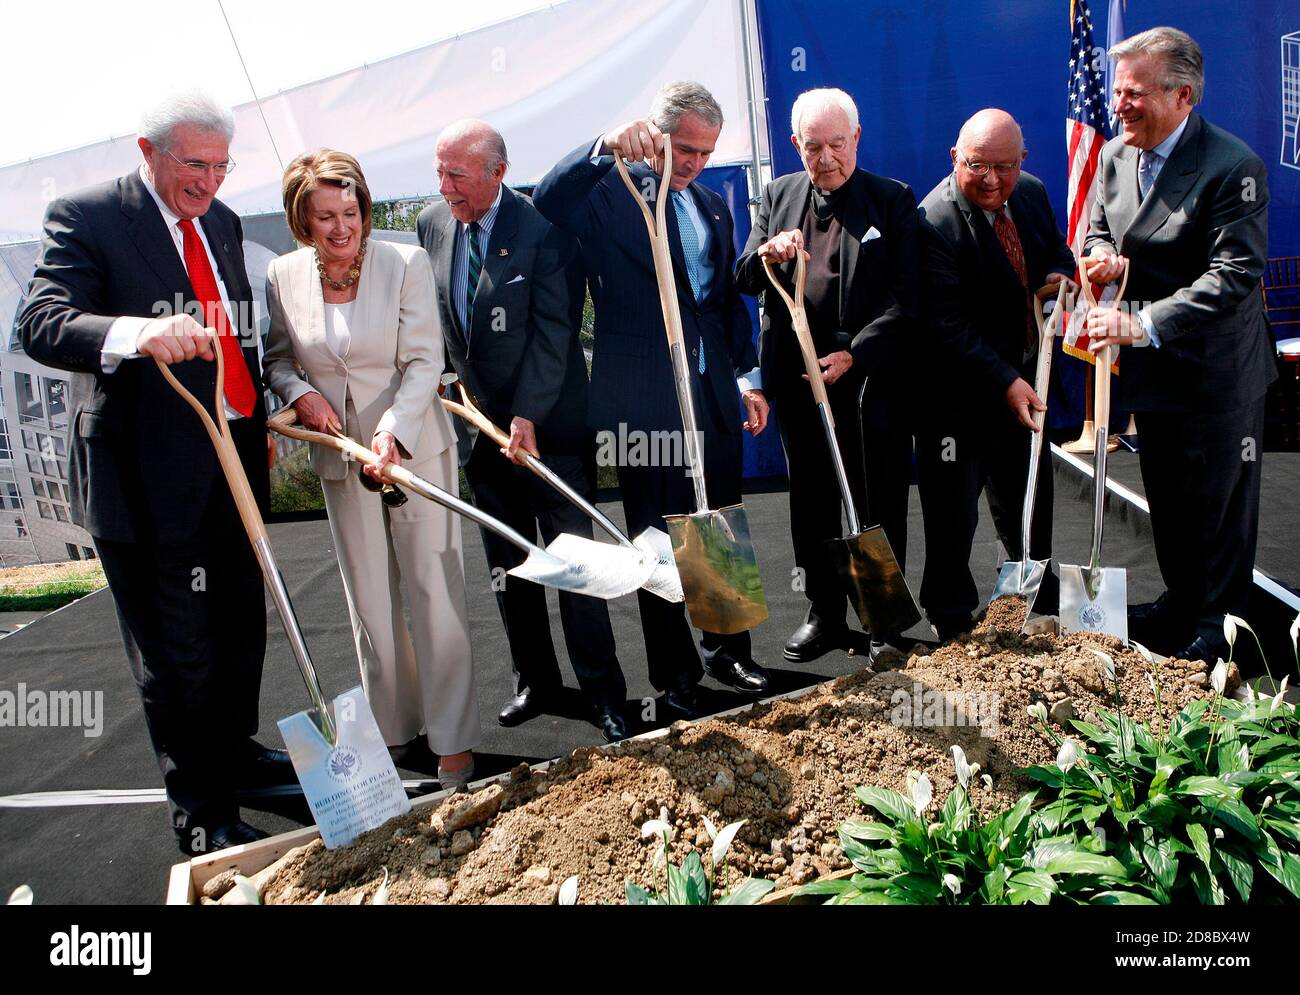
(815, 638)
(744, 676)
(612, 724)
(262, 767)
(683, 702)
(199, 840)
(1159, 626)
(526, 705)
(951, 629)
(1202, 649)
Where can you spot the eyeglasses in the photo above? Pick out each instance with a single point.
(1001, 168)
(198, 168)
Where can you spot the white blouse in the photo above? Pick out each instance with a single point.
(337, 333)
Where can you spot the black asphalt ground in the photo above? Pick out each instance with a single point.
(120, 853)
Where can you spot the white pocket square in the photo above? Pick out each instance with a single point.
(872, 232)
(518, 279)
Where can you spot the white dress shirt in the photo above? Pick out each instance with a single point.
(1163, 150)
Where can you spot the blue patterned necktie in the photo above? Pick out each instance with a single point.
(1147, 164)
(472, 274)
(690, 250)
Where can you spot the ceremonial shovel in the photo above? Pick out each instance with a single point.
(864, 559)
(1023, 578)
(570, 563)
(714, 552)
(1095, 598)
(342, 761)
(663, 581)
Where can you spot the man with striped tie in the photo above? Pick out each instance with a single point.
(632, 388)
(510, 302)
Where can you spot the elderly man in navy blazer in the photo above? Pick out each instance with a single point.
(632, 383)
(1186, 204)
(115, 261)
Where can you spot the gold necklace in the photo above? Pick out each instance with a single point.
(354, 272)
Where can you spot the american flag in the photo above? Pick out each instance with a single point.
(1085, 134)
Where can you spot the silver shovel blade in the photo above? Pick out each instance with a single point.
(583, 566)
(350, 784)
(874, 582)
(665, 581)
(1095, 600)
(1021, 579)
(720, 579)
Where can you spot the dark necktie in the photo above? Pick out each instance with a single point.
(472, 274)
(1007, 234)
(239, 384)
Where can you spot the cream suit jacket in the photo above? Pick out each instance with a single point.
(394, 361)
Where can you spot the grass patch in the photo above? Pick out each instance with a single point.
(46, 586)
(294, 484)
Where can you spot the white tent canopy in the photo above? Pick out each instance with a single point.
(548, 80)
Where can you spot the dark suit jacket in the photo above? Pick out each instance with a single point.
(976, 309)
(524, 357)
(1197, 246)
(879, 285)
(632, 380)
(141, 467)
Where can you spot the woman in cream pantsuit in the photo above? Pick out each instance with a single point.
(359, 321)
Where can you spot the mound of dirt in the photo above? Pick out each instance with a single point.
(787, 767)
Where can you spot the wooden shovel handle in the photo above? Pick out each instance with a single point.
(466, 409)
(799, 319)
(227, 455)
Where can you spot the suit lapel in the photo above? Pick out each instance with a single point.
(149, 233)
(658, 188)
(496, 258)
(991, 254)
(853, 227)
(1170, 188)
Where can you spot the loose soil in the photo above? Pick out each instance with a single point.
(786, 767)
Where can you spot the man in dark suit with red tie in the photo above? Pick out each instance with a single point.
(990, 241)
(124, 271)
(632, 387)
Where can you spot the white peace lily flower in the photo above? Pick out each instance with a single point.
(722, 842)
(1142, 651)
(248, 894)
(1218, 833)
(988, 781)
(1295, 635)
(922, 794)
(710, 828)
(1219, 677)
(1230, 629)
(656, 827)
(22, 895)
(320, 899)
(569, 891)
(952, 883)
(1107, 664)
(963, 768)
(1038, 711)
(912, 777)
(1267, 802)
(1068, 755)
(381, 896)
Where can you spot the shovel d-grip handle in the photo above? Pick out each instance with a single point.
(246, 504)
(657, 227)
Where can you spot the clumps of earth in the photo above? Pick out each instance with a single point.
(787, 767)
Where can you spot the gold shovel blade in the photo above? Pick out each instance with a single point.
(719, 571)
(874, 583)
(1095, 600)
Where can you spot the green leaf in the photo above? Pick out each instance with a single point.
(1235, 815)
(1080, 862)
(1044, 852)
(1205, 787)
(1162, 863)
(1121, 898)
(1288, 829)
(1016, 815)
(1233, 757)
(1240, 871)
(827, 887)
(956, 812)
(676, 886)
(749, 891)
(1200, 840)
(858, 855)
(859, 830)
(1208, 889)
(1282, 867)
(636, 895)
(697, 882)
(888, 803)
(1030, 888)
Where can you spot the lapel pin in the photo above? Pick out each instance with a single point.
(503, 252)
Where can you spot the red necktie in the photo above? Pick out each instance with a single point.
(1010, 239)
(239, 385)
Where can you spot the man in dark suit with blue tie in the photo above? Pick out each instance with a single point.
(510, 297)
(121, 267)
(632, 388)
(1186, 204)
